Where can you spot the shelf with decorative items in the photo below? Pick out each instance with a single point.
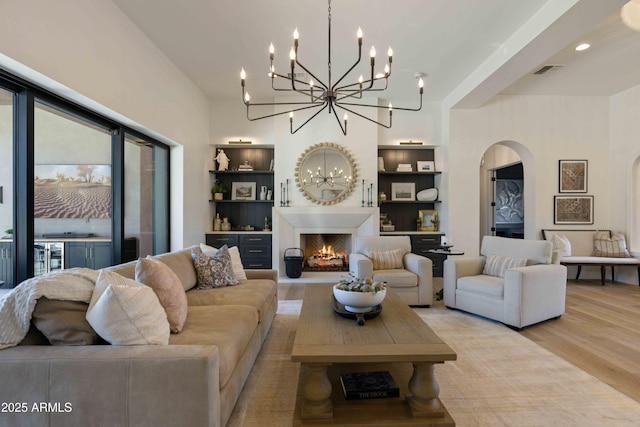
(407, 178)
(242, 187)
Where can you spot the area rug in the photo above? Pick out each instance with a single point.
(500, 379)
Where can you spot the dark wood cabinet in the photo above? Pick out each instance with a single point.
(93, 255)
(421, 244)
(255, 248)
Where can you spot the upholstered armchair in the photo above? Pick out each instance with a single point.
(513, 282)
(389, 259)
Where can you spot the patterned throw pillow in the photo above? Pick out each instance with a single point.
(497, 265)
(167, 286)
(236, 261)
(386, 260)
(215, 270)
(614, 247)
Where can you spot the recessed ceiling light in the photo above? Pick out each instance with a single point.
(583, 46)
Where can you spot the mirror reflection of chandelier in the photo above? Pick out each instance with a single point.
(326, 177)
(321, 95)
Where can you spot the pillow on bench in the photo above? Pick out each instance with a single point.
(612, 247)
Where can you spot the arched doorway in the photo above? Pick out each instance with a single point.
(507, 191)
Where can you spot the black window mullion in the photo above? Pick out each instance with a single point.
(23, 181)
(117, 193)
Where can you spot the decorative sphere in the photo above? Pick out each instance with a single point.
(358, 302)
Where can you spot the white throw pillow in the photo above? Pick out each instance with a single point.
(125, 312)
(562, 245)
(236, 261)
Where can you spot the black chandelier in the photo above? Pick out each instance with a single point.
(327, 95)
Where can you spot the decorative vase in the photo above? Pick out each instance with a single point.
(217, 223)
(226, 225)
(217, 196)
(263, 193)
(269, 194)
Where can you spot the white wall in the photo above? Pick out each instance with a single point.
(91, 52)
(549, 128)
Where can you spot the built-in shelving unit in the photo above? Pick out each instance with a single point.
(404, 214)
(247, 217)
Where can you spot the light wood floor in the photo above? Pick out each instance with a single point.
(599, 333)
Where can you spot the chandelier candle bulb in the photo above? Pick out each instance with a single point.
(272, 51)
(372, 54)
(421, 85)
(296, 36)
(359, 34)
(243, 76)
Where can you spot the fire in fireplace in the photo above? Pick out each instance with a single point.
(326, 252)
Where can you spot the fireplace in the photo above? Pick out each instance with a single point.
(326, 251)
(293, 225)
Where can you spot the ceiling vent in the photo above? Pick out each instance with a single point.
(547, 68)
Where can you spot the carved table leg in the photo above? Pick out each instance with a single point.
(317, 393)
(423, 400)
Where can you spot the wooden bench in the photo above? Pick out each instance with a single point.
(581, 249)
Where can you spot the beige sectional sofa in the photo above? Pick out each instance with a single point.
(194, 381)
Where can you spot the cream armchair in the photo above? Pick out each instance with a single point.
(515, 296)
(389, 259)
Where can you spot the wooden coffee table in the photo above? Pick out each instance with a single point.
(397, 340)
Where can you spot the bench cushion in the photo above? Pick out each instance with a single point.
(599, 260)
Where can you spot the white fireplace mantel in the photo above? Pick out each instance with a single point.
(290, 222)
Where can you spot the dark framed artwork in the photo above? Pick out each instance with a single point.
(572, 176)
(570, 210)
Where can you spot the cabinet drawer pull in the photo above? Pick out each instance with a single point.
(255, 239)
(255, 265)
(256, 251)
(222, 239)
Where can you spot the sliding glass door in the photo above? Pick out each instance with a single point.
(146, 195)
(7, 250)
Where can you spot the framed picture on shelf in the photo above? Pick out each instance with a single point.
(403, 191)
(428, 220)
(572, 176)
(243, 191)
(426, 166)
(573, 210)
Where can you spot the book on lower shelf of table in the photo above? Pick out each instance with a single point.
(369, 385)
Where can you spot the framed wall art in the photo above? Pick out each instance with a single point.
(403, 191)
(428, 220)
(243, 191)
(570, 210)
(572, 176)
(426, 166)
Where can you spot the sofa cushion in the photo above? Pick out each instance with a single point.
(64, 322)
(396, 278)
(125, 312)
(491, 286)
(256, 293)
(496, 265)
(213, 270)
(164, 282)
(229, 327)
(236, 261)
(384, 260)
(614, 246)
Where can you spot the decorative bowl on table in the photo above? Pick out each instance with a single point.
(359, 295)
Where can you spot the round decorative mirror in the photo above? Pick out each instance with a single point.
(326, 173)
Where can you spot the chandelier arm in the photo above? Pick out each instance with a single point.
(308, 120)
(282, 112)
(357, 94)
(365, 117)
(289, 79)
(343, 129)
(350, 69)
(370, 88)
(380, 106)
(310, 73)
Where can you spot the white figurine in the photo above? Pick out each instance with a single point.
(223, 160)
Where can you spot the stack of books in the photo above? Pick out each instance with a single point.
(368, 385)
(245, 167)
(404, 167)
